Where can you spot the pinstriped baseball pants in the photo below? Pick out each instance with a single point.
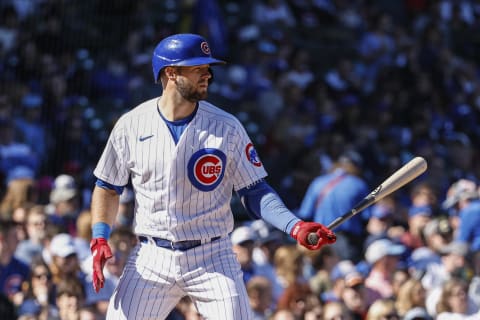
(155, 279)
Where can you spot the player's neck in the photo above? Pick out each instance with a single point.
(174, 109)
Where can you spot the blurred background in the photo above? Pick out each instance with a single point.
(392, 79)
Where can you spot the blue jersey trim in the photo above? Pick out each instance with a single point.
(105, 185)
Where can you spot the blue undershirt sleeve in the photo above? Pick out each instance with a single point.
(262, 201)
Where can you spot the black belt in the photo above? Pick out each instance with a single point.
(179, 245)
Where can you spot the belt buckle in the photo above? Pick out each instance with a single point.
(172, 245)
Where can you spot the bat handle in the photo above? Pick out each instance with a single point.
(312, 238)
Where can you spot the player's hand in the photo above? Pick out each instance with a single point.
(101, 252)
(301, 231)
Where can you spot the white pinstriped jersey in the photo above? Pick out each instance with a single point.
(183, 191)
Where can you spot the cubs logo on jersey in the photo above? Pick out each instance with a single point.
(206, 168)
(252, 155)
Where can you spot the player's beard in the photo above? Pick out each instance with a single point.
(189, 92)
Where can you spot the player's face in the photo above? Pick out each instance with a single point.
(192, 82)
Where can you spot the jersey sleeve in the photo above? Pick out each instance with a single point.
(247, 168)
(112, 166)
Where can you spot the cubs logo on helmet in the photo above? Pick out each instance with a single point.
(252, 155)
(206, 168)
(205, 47)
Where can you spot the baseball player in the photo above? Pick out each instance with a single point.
(184, 157)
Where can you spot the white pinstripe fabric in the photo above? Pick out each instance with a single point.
(155, 279)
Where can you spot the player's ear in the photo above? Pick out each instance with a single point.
(170, 72)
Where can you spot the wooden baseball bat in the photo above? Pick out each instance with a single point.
(398, 179)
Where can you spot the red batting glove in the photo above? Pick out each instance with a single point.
(101, 252)
(302, 229)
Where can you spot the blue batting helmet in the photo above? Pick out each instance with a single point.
(184, 49)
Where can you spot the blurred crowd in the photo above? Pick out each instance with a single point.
(310, 80)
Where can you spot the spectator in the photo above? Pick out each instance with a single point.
(65, 263)
(35, 226)
(356, 297)
(70, 298)
(30, 127)
(382, 309)
(51, 230)
(19, 216)
(424, 194)
(243, 239)
(337, 279)
(282, 315)
(383, 255)
(376, 49)
(301, 74)
(29, 310)
(381, 219)
(288, 262)
(331, 195)
(14, 272)
(13, 153)
(273, 13)
(259, 290)
(298, 298)
(417, 314)
(463, 200)
(411, 295)
(84, 235)
(7, 308)
(400, 276)
(64, 259)
(336, 310)
(268, 241)
(452, 264)
(418, 217)
(40, 294)
(323, 262)
(64, 203)
(19, 192)
(454, 302)
(437, 234)
(89, 313)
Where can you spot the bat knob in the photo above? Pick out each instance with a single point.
(312, 239)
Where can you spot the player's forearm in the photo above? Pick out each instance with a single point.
(104, 206)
